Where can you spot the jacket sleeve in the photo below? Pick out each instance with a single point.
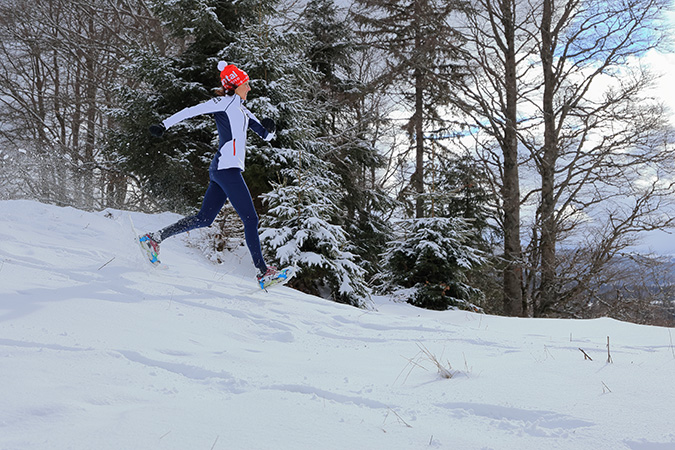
(210, 106)
(255, 125)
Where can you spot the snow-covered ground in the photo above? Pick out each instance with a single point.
(98, 350)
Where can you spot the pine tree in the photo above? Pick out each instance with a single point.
(344, 127)
(437, 259)
(170, 170)
(301, 225)
(281, 85)
(299, 229)
(174, 169)
(419, 49)
(430, 255)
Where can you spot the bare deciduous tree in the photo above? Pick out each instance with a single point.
(593, 154)
(59, 63)
(497, 55)
(605, 154)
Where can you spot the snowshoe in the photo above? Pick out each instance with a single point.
(151, 248)
(274, 277)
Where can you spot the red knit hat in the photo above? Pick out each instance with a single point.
(231, 76)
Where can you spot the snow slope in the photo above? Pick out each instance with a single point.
(100, 350)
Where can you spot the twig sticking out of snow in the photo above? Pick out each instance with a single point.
(400, 419)
(585, 355)
(426, 355)
(444, 372)
(113, 258)
(412, 363)
(609, 356)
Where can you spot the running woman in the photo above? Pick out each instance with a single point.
(225, 172)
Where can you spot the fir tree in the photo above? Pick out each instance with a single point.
(419, 50)
(183, 72)
(282, 83)
(172, 170)
(344, 127)
(299, 230)
(302, 222)
(436, 258)
(430, 255)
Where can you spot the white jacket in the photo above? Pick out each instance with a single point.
(233, 120)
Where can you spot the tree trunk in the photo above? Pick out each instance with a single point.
(419, 145)
(90, 140)
(513, 273)
(549, 155)
(419, 122)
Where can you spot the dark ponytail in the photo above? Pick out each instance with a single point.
(221, 91)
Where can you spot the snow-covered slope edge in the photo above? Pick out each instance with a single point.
(100, 350)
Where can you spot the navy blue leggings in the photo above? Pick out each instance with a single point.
(225, 184)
